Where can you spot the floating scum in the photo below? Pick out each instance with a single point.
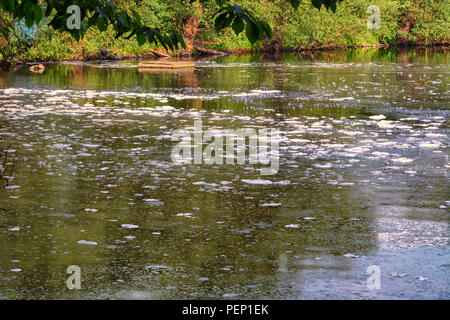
(372, 171)
(229, 144)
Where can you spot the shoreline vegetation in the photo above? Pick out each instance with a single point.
(199, 56)
(405, 23)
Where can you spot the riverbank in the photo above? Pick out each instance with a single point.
(419, 23)
(325, 53)
(104, 54)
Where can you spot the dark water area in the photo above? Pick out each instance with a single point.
(88, 179)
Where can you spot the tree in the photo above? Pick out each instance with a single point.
(101, 13)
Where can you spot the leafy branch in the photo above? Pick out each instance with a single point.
(101, 13)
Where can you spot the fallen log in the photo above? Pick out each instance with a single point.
(166, 64)
(105, 53)
(164, 70)
(159, 53)
(210, 51)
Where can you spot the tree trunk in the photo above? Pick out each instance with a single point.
(402, 40)
(3, 42)
(191, 28)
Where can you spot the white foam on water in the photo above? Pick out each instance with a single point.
(129, 226)
(378, 117)
(88, 243)
(270, 204)
(402, 160)
(257, 181)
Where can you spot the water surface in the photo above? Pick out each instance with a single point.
(363, 179)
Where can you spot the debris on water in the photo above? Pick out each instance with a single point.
(184, 214)
(402, 160)
(378, 117)
(272, 204)
(60, 146)
(12, 187)
(323, 166)
(156, 267)
(154, 202)
(230, 295)
(256, 181)
(351, 255)
(283, 182)
(398, 275)
(88, 243)
(129, 226)
(429, 145)
(420, 278)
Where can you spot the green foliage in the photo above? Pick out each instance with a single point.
(306, 27)
(51, 48)
(131, 27)
(240, 19)
(431, 21)
(18, 41)
(93, 13)
(347, 27)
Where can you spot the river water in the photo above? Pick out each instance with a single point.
(88, 180)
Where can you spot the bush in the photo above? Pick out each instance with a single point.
(305, 27)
